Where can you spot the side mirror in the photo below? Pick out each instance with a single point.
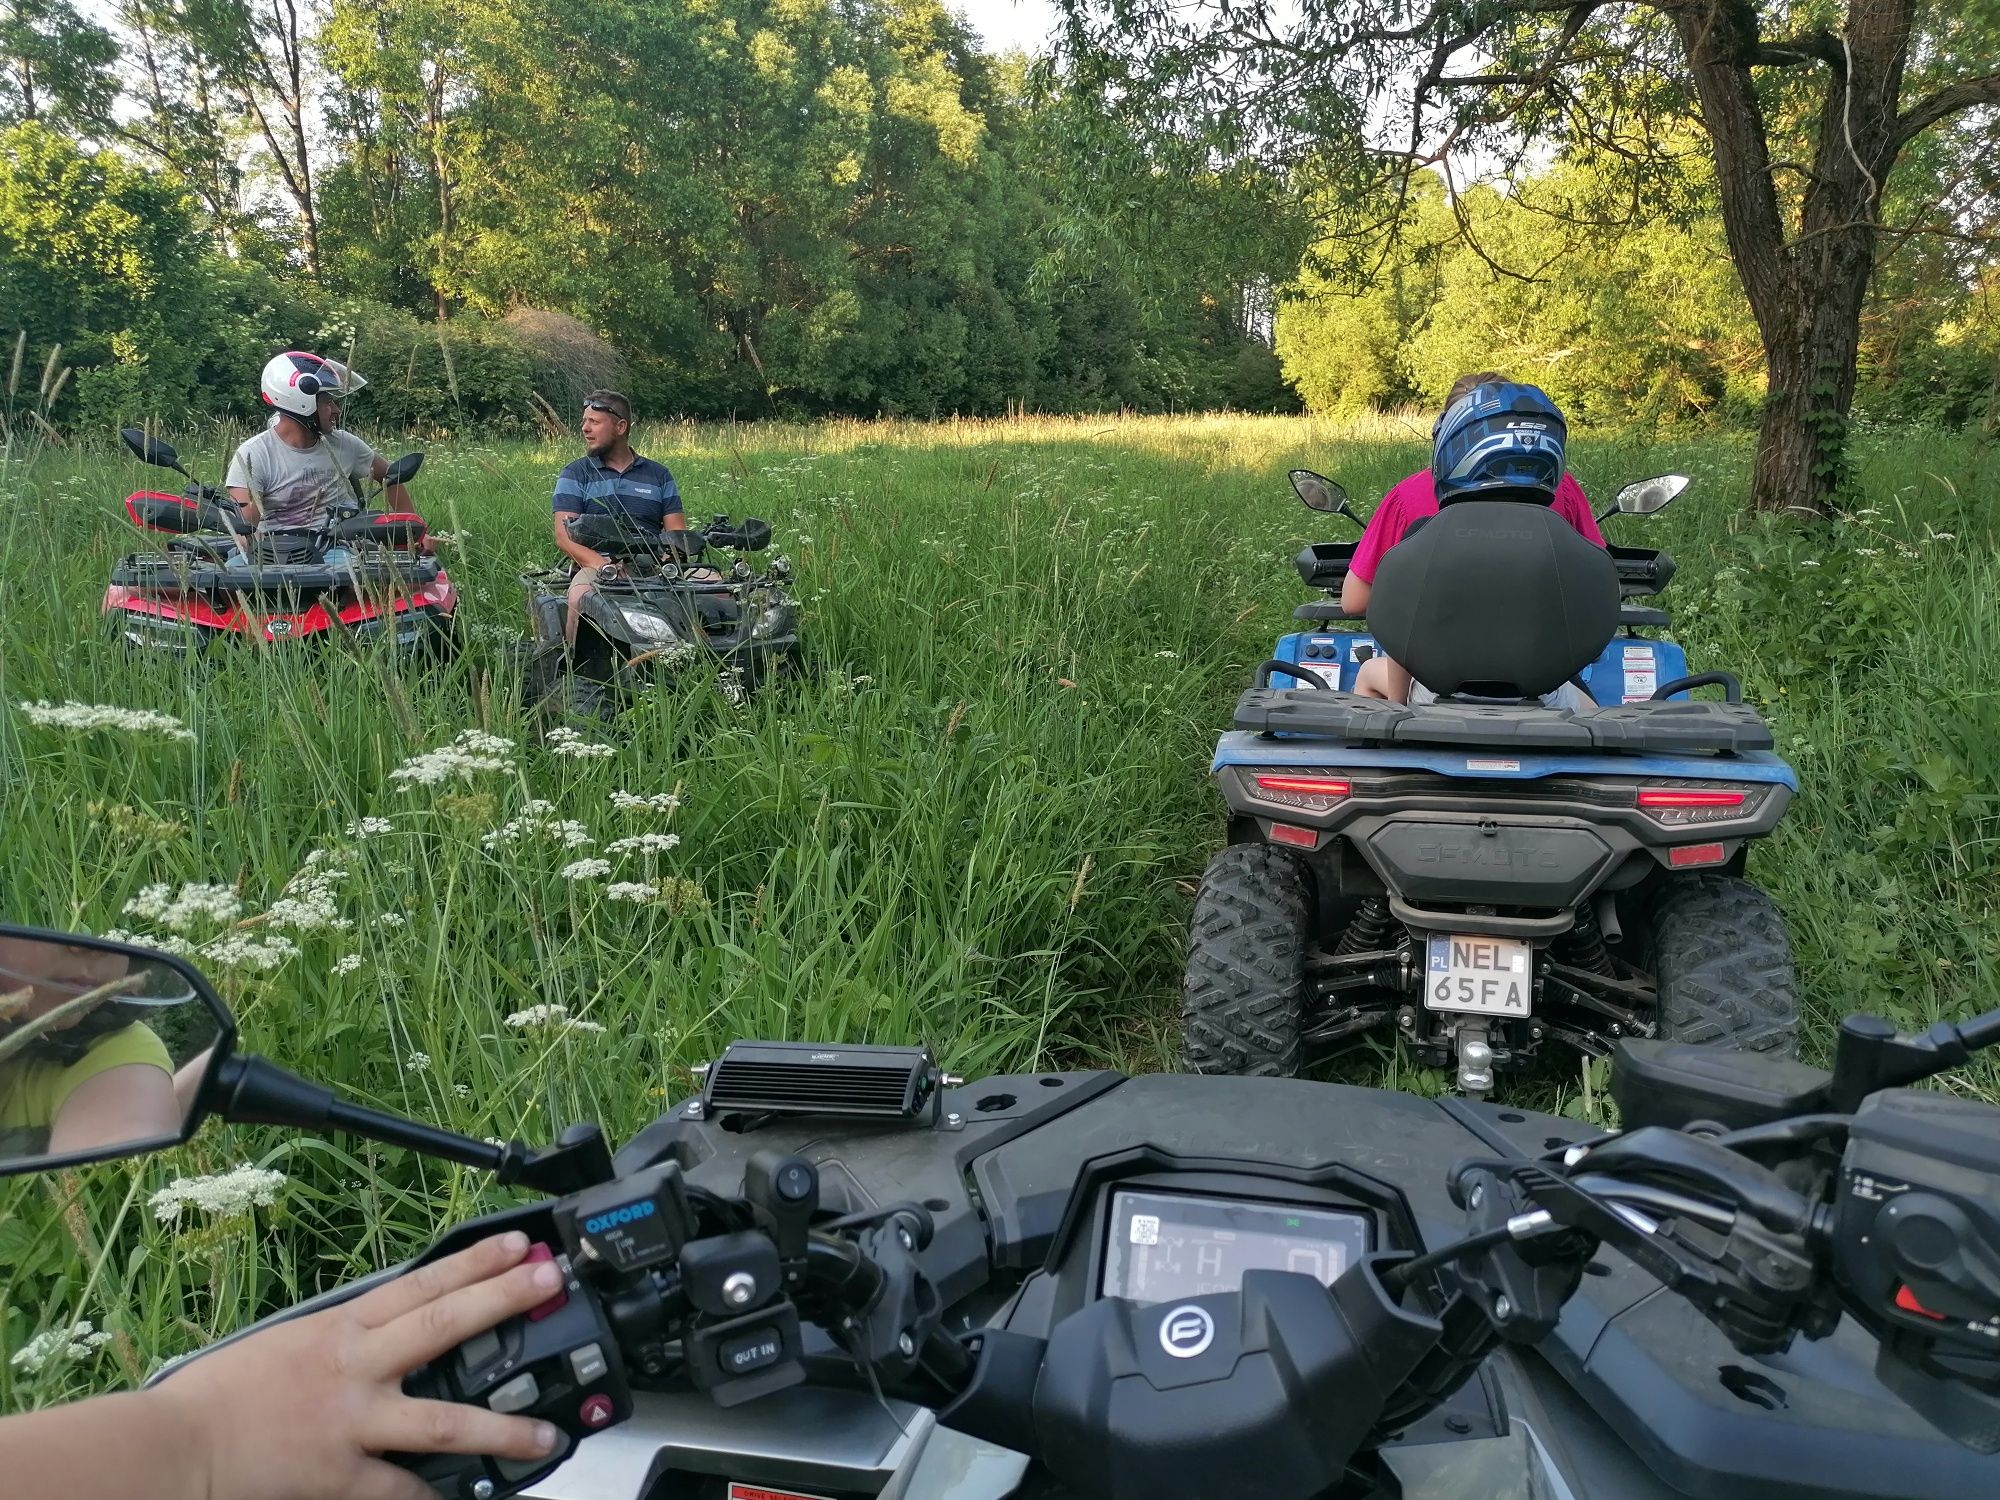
(152, 450)
(1649, 495)
(1320, 493)
(106, 1049)
(403, 470)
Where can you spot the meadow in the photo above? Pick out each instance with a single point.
(977, 823)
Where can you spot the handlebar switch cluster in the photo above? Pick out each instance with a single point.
(629, 1225)
(744, 1341)
(1916, 1249)
(559, 1362)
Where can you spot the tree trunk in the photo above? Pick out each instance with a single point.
(1805, 288)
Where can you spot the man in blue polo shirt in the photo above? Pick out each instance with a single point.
(610, 479)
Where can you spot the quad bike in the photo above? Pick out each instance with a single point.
(185, 598)
(839, 1272)
(663, 610)
(1485, 876)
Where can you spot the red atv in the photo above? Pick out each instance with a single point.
(199, 590)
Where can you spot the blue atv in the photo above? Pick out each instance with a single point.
(1487, 874)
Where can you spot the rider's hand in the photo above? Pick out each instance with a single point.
(300, 1411)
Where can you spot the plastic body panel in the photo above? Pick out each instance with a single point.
(1633, 1397)
(1628, 669)
(1240, 748)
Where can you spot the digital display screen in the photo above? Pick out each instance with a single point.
(1167, 1246)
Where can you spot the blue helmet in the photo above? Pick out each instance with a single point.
(1498, 436)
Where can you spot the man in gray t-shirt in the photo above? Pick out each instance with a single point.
(288, 474)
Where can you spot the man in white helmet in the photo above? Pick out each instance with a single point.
(304, 461)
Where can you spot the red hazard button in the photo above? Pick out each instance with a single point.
(595, 1411)
(1907, 1301)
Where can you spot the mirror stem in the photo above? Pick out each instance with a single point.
(248, 1090)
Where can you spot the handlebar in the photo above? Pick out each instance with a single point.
(1773, 1230)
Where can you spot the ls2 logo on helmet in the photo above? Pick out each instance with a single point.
(1186, 1331)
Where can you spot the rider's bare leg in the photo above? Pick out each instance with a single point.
(581, 584)
(1380, 677)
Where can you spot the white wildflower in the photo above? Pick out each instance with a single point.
(472, 752)
(88, 716)
(643, 843)
(1942, 536)
(193, 905)
(392, 919)
(657, 802)
(1809, 562)
(368, 828)
(631, 890)
(347, 964)
(536, 823)
(1168, 655)
(417, 1062)
(309, 902)
(243, 950)
(59, 1346)
(226, 1195)
(463, 1090)
(550, 1016)
(586, 869)
(1868, 551)
(570, 742)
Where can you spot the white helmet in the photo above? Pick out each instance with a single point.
(294, 382)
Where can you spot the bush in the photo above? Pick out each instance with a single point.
(567, 357)
(432, 378)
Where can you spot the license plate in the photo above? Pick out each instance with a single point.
(1487, 976)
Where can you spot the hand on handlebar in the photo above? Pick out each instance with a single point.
(304, 1409)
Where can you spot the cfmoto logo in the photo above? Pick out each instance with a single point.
(1186, 1331)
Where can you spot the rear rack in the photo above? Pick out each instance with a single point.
(178, 573)
(1682, 727)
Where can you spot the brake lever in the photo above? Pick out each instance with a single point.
(1757, 1285)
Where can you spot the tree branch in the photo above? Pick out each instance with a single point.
(1965, 94)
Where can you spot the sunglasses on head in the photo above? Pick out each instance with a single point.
(609, 411)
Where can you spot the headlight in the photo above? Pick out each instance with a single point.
(776, 616)
(648, 626)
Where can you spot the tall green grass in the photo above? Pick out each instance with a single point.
(977, 823)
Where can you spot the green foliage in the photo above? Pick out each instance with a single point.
(55, 66)
(107, 260)
(1644, 325)
(430, 377)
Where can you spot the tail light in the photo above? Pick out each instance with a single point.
(1679, 804)
(1307, 793)
(1322, 786)
(1667, 796)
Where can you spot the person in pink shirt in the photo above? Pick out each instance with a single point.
(1415, 498)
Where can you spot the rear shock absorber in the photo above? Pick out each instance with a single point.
(1584, 943)
(1368, 928)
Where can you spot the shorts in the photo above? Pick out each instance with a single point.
(1568, 697)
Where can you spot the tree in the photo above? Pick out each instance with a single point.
(55, 67)
(1806, 108)
(261, 52)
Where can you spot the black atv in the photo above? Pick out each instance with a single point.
(661, 610)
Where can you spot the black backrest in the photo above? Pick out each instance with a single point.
(1495, 599)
